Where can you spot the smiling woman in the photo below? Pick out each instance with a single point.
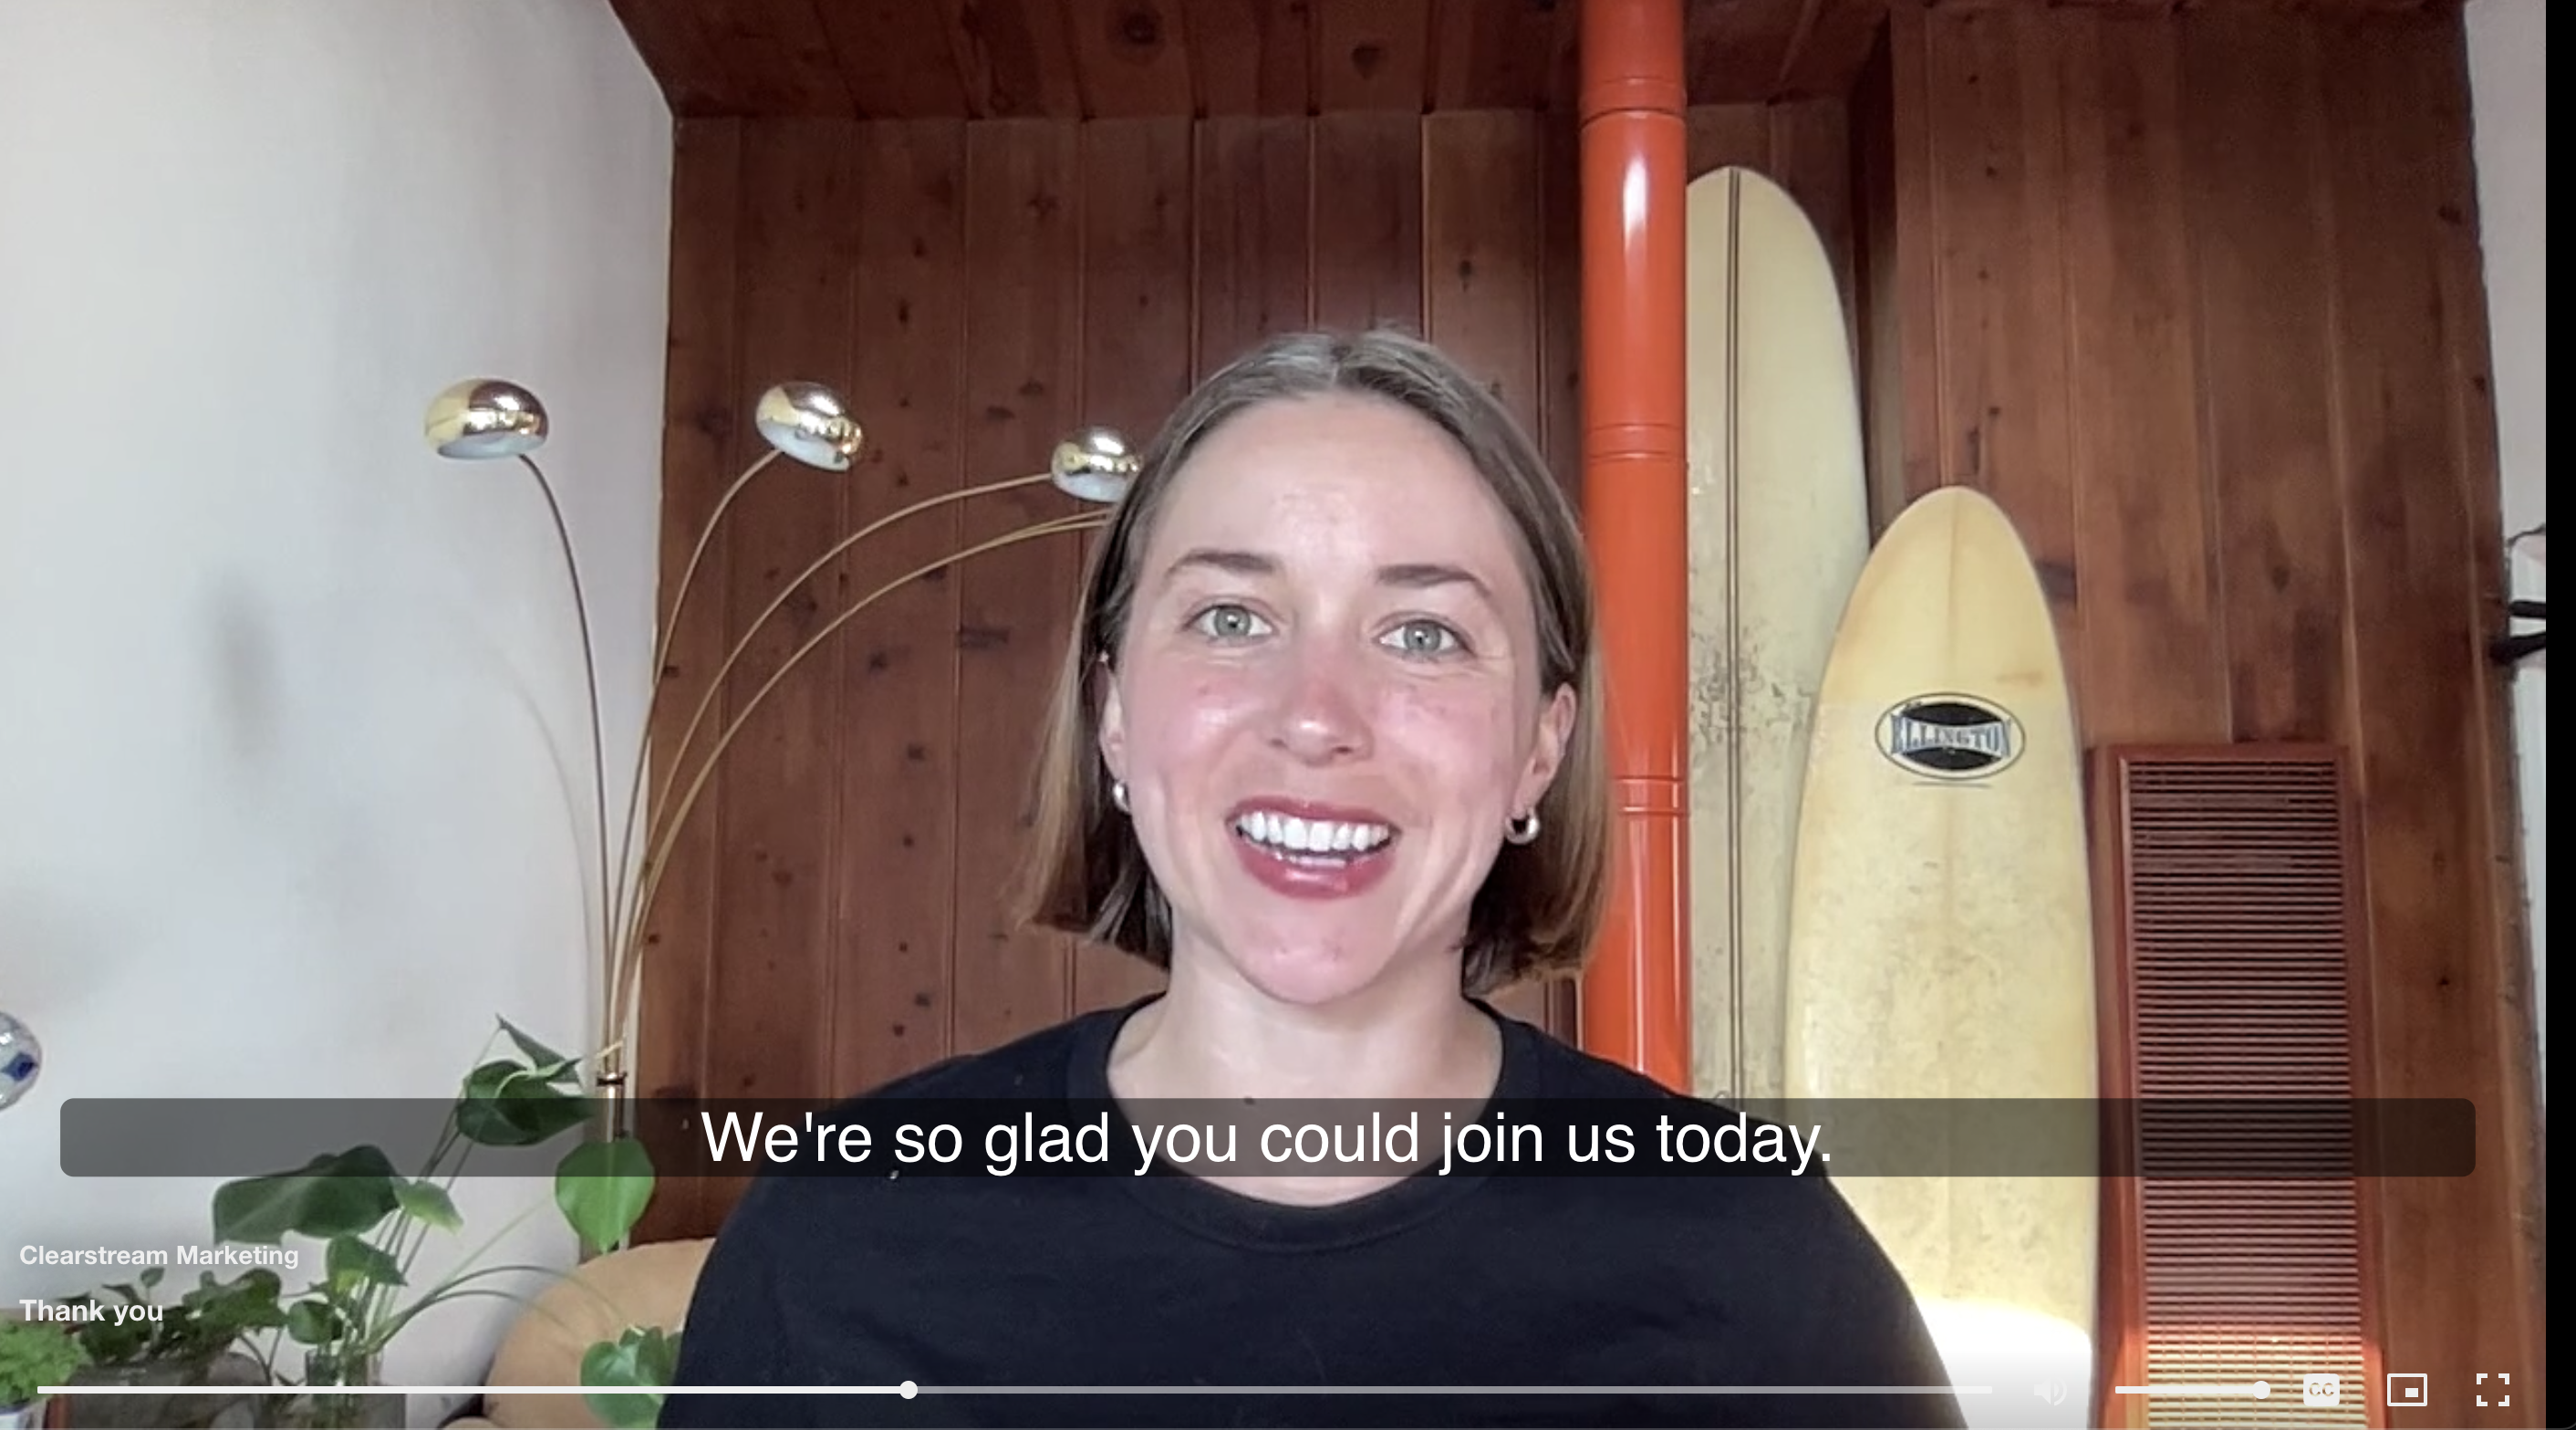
(1345, 593)
(1327, 746)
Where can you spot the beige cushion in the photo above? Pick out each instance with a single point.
(647, 1285)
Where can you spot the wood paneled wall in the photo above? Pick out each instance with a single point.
(832, 915)
(2194, 293)
(2197, 298)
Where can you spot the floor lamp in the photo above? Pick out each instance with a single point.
(487, 419)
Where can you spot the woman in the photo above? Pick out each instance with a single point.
(1327, 747)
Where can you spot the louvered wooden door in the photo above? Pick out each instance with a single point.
(2232, 955)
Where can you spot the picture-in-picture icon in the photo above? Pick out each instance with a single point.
(2406, 1387)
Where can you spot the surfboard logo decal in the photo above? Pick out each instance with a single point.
(1950, 737)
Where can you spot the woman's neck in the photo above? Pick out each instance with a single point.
(1212, 1035)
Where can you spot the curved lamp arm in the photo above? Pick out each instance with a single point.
(482, 419)
(1094, 465)
(803, 420)
(751, 631)
(649, 884)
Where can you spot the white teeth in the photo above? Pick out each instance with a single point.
(1311, 836)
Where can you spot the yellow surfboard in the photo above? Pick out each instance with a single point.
(1779, 527)
(1940, 940)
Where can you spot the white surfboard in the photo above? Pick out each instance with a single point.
(1779, 527)
(1941, 944)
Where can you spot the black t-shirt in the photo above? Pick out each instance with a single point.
(1634, 1284)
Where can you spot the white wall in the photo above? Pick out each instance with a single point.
(292, 742)
(2507, 75)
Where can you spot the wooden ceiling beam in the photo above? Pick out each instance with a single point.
(1373, 55)
(1015, 56)
(895, 66)
(1131, 58)
(1251, 56)
(1093, 59)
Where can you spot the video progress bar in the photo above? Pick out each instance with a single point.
(1456, 1390)
(909, 1389)
(2253, 1389)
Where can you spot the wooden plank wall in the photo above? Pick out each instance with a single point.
(977, 289)
(2197, 298)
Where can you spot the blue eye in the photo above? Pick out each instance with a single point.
(1229, 623)
(1425, 638)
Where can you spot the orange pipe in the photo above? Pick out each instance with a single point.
(1636, 987)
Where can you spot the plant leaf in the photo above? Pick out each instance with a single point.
(562, 1074)
(640, 1361)
(337, 1194)
(603, 1188)
(479, 1118)
(429, 1202)
(506, 1105)
(537, 1053)
(34, 1353)
(487, 1079)
(351, 1262)
(217, 1313)
(310, 1323)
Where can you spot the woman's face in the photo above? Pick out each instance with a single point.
(1327, 703)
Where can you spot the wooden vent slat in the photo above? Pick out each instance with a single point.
(2227, 886)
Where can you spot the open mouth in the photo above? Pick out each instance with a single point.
(1314, 843)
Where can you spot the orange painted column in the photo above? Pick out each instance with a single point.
(1636, 988)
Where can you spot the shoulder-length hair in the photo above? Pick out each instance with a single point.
(1541, 904)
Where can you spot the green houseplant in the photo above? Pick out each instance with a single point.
(191, 1346)
(195, 1329)
(373, 1220)
(33, 1355)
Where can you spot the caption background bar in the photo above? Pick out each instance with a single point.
(2202, 1139)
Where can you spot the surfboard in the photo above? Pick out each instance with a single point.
(1940, 947)
(1779, 527)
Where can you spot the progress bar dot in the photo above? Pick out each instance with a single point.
(2262, 1390)
(909, 1389)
